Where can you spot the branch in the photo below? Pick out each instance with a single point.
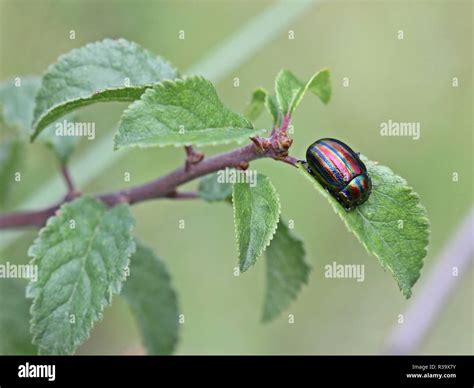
(38, 218)
(163, 187)
(183, 195)
(28, 218)
(276, 146)
(166, 185)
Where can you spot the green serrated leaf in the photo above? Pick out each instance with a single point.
(392, 224)
(153, 301)
(320, 85)
(181, 112)
(287, 271)
(213, 188)
(290, 90)
(10, 160)
(81, 254)
(256, 105)
(17, 100)
(109, 70)
(15, 338)
(256, 215)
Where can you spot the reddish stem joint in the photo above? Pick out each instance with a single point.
(192, 157)
(261, 143)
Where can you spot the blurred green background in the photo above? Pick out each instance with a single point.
(403, 80)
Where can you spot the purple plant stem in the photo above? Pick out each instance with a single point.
(27, 218)
(163, 187)
(67, 179)
(168, 183)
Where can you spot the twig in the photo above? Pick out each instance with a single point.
(67, 179)
(167, 184)
(183, 195)
(27, 218)
(290, 160)
(163, 187)
(38, 218)
(285, 123)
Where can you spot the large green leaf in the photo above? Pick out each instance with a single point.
(10, 160)
(109, 70)
(392, 224)
(153, 301)
(290, 90)
(181, 112)
(256, 215)
(15, 336)
(82, 254)
(287, 271)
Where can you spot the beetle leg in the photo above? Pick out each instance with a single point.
(305, 164)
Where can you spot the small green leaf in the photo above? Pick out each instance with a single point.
(10, 159)
(320, 84)
(82, 254)
(290, 90)
(392, 224)
(153, 301)
(15, 338)
(181, 112)
(271, 104)
(287, 271)
(17, 102)
(213, 188)
(256, 105)
(256, 215)
(109, 70)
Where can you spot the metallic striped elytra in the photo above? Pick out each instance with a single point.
(340, 171)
